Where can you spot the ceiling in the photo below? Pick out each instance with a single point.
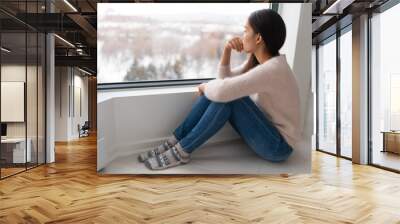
(332, 15)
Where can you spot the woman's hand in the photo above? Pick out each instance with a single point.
(235, 43)
(201, 88)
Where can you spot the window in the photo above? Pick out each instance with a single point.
(394, 101)
(346, 93)
(327, 96)
(150, 41)
(385, 87)
(22, 79)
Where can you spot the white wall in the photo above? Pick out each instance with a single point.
(297, 47)
(68, 81)
(82, 83)
(132, 121)
(61, 103)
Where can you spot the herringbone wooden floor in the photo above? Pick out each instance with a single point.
(70, 191)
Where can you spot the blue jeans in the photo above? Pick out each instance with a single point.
(207, 117)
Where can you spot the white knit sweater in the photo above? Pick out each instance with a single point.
(271, 85)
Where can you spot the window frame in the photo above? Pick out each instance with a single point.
(333, 37)
(29, 29)
(381, 9)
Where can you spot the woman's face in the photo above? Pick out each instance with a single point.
(251, 41)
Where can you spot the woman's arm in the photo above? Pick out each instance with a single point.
(226, 71)
(224, 66)
(226, 56)
(253, 81)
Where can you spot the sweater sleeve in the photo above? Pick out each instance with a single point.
(226, 71)
(253, 81)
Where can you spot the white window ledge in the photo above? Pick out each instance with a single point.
(113, 93)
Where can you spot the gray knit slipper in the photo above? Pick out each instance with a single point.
(156, 151)
(172, 157)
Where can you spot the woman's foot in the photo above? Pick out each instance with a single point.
(172, 157)
(156, 151)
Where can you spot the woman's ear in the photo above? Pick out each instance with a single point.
(259, 38)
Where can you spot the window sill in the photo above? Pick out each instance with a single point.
(115, 93)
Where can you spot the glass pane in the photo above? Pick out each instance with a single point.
(41, 98)
(385, 89)
(327, 97)
(167, 41)
(32, 90)
(13, 87)
(346, 94)
(31, 99)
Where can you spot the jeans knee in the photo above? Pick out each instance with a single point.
(238, 102)
(221, 108)
(220, 104)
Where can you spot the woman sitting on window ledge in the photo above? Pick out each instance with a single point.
(260, 99)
